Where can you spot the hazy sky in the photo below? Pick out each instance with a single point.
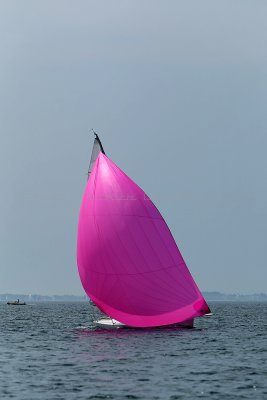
(177, 91)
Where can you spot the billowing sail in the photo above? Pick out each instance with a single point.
(128, 261)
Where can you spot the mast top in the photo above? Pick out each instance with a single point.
(99, 141)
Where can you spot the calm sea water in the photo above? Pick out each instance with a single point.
(53, 351)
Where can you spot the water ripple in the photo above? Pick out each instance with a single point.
(53, 351)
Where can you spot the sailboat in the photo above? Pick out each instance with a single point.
(16, 303)
(128, 261)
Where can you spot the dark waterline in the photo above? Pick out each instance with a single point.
(53, 351)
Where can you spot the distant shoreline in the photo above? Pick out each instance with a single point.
(209, 296)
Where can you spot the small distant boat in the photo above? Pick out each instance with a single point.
(16, 303)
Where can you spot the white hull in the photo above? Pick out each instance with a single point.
(109, 323)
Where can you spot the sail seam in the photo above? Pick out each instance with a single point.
(129, 215)
(137, 273)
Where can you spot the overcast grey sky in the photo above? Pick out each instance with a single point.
(177, 91)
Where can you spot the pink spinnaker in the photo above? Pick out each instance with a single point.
(128, 261)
